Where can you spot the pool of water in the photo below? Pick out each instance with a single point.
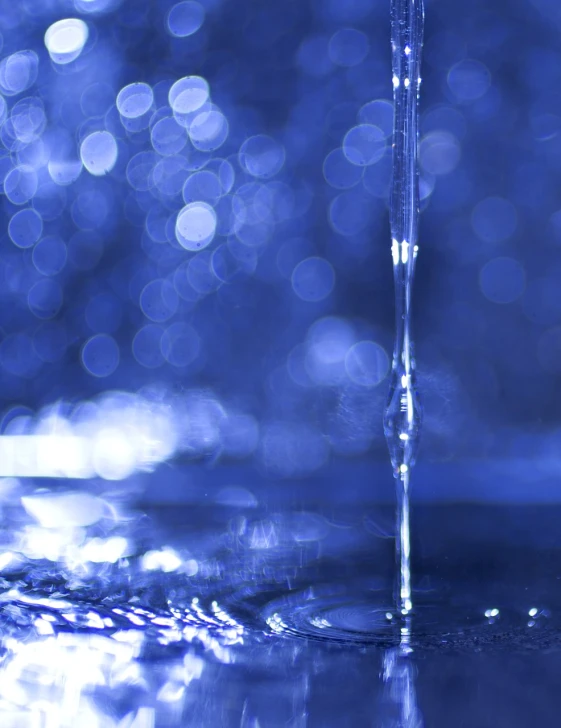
(233, 614)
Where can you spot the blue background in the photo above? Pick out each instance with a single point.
(266, 351)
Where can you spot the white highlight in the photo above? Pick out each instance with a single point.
(66, 39)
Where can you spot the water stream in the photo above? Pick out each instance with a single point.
(402, 420)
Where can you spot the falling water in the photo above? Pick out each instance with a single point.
(403, 413)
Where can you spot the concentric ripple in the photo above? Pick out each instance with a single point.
(358, 617)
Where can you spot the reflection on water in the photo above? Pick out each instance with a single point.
(399, 677)
(238, 616)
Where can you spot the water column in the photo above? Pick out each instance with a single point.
(402, 419)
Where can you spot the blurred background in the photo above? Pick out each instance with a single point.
(196, 329)
(195, 269)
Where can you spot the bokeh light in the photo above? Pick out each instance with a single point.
(134, 100)
(100, 355)
(185, 18)
(313, 279)
(196, 197)
(66, 39)
(99, 153)
(195, 226)
(502, 280)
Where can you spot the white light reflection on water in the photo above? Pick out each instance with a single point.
(102, 676)
(400, 692)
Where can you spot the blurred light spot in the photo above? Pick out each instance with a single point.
(114, 449)
(65, 40)
(226, 174)
(328, 342)
(313, 279)
(20, 184)
(494, 219)
(64, 172)
(157, 222)
(202, 186)
(377, 178)
(502, 280)
(469, 80)
(180, 344)
(104, 550)
(439, 152)
(65, 510)
(165, 559)
(28, 119)
(140, 171)
(444, 118)
(185, 18)
(364, 144)
(49, 255)
(378, 113)
(200, 273)
(100, 355)
(339, 172)
(99, 153)
(426, 186)
(146, 346)
(158, 300)
(208, 130)
(348, 47)
(261, 156)
(25, 228)
(349, 213)
(229, 262)
(296, 366)
(18, 72)
(168, 137)
(135, 100)
(188, 95)
(195, 226)
(235, 496)
(367, 363)
(45, 298)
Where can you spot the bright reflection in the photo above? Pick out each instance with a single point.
(117, 435)
(65, 679)
(65, 40)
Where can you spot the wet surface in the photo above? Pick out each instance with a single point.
(242, 616)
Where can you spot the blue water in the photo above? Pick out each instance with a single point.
(235, 615)
(195, 349)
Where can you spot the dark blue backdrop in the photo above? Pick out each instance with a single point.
(199, 266)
